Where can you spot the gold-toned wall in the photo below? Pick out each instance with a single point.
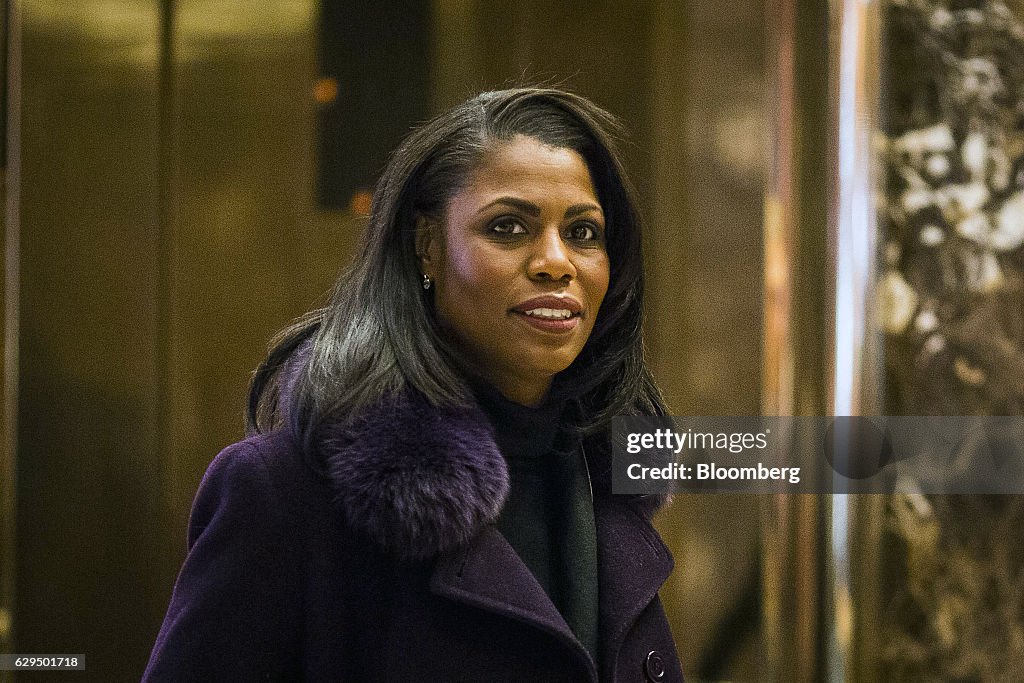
(709, 135)
(168, 228)
(88, 464)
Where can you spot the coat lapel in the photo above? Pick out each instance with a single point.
(490, 575)
(633, 563)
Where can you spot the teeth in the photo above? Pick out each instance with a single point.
(550, 313)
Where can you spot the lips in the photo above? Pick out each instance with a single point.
(550, 313)
(550, 306)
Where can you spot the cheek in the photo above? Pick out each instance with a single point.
(465, 265)
(467, 274)
(474, 282)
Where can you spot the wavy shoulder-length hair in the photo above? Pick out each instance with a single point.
(379, 334)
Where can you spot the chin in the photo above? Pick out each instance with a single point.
(550, 367)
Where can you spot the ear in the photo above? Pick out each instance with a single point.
(427, 242)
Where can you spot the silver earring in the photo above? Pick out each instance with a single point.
(426, 281)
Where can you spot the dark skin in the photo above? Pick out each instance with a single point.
(519, 265)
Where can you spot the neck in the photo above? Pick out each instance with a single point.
(523, 392)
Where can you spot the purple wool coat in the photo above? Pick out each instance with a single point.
(390, 567)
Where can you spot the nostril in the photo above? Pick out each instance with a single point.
(544, 275)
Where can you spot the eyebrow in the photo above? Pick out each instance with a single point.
(534, 210)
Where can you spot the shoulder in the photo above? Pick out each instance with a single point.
(260, 480)
(259, 462)
(237, 602)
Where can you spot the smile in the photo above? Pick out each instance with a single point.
(557, 320)
(551, 314)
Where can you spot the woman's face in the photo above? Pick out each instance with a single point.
(519, 265)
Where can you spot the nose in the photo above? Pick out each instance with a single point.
(550, 258)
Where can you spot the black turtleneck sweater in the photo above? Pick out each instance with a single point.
(549, 516)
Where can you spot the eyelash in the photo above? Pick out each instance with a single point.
(594, 231)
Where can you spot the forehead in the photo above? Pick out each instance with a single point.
(526, 166)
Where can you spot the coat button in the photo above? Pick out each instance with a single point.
(654, 667)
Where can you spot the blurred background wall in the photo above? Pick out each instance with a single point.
(170, 206)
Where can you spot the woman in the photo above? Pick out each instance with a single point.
(426, 491)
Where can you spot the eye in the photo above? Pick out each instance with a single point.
(586, 232)
(507, 225)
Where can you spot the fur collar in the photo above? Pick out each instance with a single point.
(418, 479)
(421, 480)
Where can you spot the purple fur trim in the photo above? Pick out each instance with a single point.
(418, 479)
